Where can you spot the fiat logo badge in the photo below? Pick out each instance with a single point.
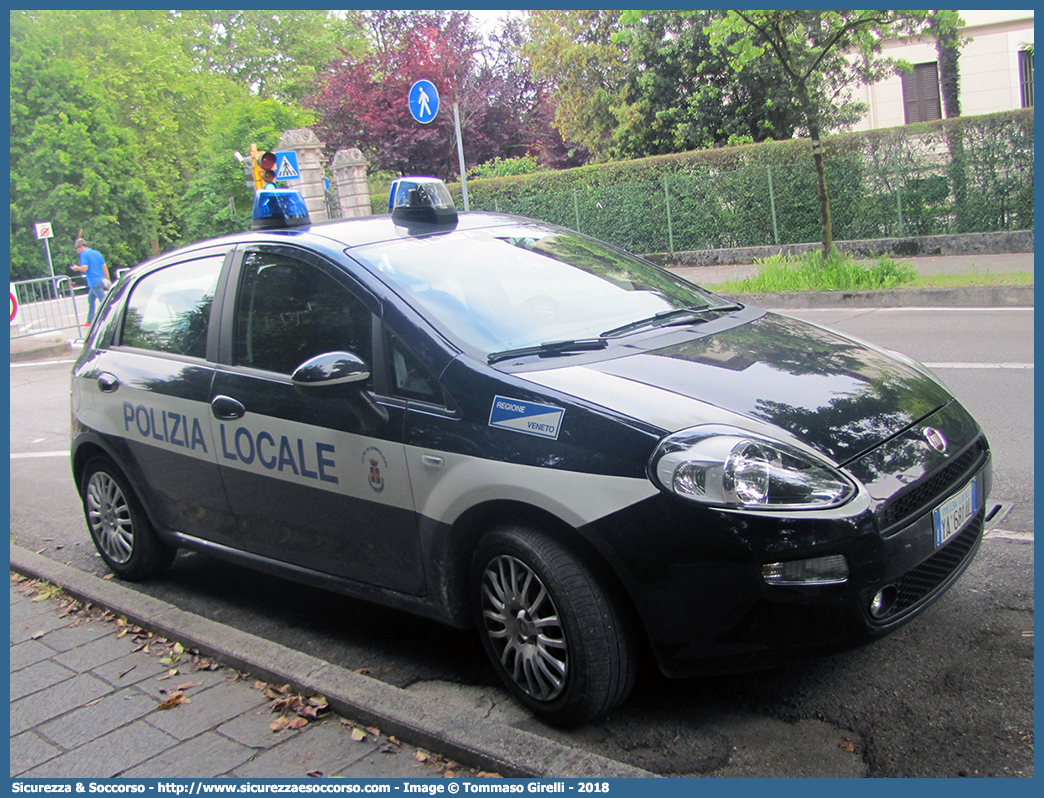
(935, 439)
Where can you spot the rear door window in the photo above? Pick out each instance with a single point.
(169, 309)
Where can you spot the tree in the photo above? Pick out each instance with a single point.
(274, 54)
(133, 66)
(822, 53)
(363, 101)
(681, 94)
(948, 43)
(574, 52)
(515, 110)
(71, 162)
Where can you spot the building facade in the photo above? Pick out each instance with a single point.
(995, 67)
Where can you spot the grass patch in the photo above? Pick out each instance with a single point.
(782, 274)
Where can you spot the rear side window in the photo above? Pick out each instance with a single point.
(169, 309)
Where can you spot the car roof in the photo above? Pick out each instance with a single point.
(350, 233)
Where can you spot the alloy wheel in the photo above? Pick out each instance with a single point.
(524, 627)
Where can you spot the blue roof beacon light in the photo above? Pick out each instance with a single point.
(421, 199)
(278, 209)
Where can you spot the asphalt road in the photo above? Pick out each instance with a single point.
(950, 694)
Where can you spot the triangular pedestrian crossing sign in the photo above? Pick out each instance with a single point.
(286, 170)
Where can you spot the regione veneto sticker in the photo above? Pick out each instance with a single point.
(531, 418)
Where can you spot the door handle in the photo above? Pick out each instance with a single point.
(225, 408)
(108, 383)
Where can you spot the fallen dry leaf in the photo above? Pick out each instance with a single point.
(847, 746)
(298, 722)
(358, 734)
(279, 724)
(314, 774)
(173, 701)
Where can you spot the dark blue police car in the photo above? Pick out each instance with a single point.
(495, 422)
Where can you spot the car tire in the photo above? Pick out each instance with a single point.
(550, 629)
(119, 527)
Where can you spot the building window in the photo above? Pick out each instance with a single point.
(921, 93)
(1026, 77)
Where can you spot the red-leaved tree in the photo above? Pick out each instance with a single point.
(504, 112)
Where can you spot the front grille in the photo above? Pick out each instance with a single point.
(920, 583)
(929, 491)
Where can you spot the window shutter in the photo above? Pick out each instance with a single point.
(921, 97)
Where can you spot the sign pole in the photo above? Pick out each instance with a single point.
(47, 248)
(460, 157)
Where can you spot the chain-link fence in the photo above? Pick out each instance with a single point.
(774, 205)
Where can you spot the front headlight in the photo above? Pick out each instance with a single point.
(730, 467)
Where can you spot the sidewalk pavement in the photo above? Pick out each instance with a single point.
(87, 701)
(86, 693)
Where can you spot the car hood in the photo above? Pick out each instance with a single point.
(835, 394)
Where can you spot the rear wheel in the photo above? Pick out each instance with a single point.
(549, 627)
(118, 525)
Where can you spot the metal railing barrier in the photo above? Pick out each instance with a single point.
(47, 304)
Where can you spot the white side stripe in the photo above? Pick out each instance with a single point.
(909, 308)
(979, 365)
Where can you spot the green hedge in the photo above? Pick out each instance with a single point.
(972, 174)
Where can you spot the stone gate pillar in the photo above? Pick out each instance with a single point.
(309, 160)
(349, 176)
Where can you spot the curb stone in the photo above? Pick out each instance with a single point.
(996, 296)
(38, 350)
(460, 734)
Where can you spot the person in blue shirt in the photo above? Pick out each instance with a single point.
(93, 265)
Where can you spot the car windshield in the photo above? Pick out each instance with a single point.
(512, 287)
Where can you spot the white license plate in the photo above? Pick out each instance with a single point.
(953, 515)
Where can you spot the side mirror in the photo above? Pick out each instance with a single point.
(349, 372)
(331, 368)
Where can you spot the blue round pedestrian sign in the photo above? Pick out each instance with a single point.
(424, 101)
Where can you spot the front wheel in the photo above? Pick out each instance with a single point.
(118, 525)
(552, 632)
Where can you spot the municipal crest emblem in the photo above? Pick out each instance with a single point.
(374, 460)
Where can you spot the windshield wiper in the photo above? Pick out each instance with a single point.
(550, 349)
(667, 318)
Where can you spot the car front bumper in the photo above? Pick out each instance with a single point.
(695, 575)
